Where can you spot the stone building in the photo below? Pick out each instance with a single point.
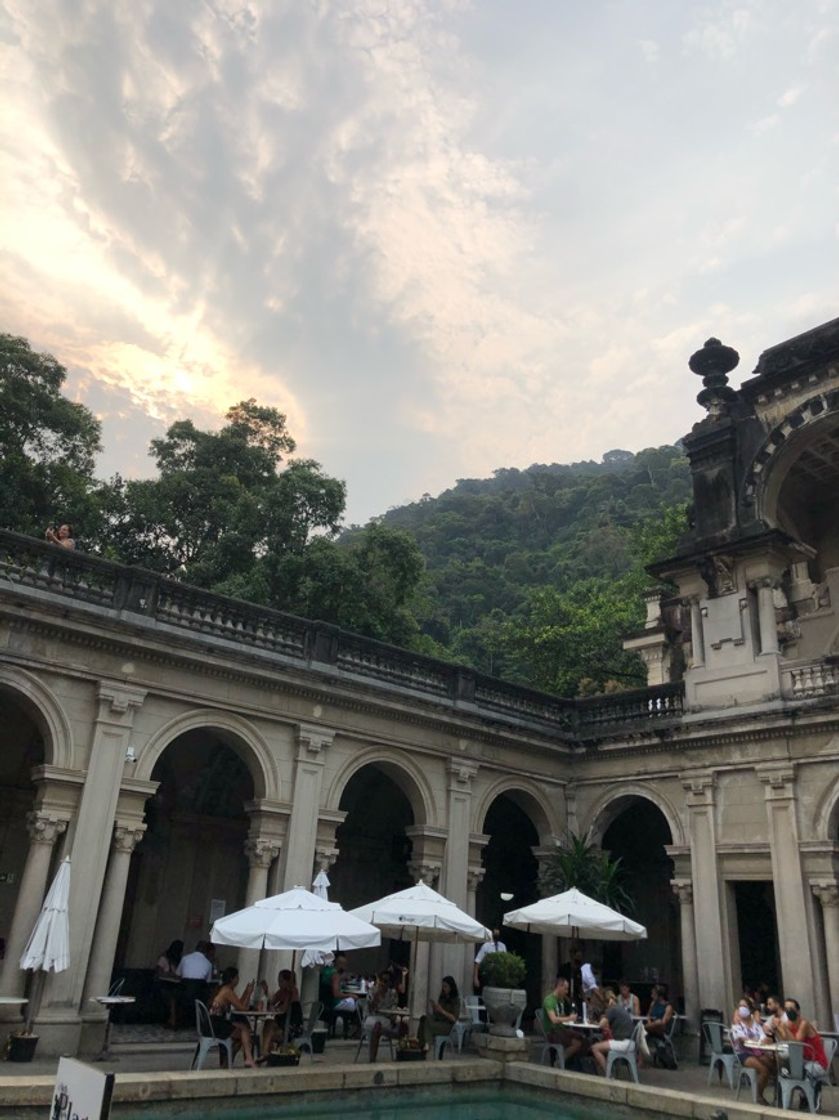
(192, 753)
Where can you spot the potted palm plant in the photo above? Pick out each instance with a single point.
(502, 976)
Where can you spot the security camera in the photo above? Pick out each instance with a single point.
(130, 755)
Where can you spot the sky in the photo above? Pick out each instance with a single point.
(443, 237)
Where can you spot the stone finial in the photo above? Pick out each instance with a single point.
(713, 363)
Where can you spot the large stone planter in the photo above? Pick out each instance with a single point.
(503, 1006)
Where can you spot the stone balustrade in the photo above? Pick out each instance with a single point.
(808, 682)
(30, 565)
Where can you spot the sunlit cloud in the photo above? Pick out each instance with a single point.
(442, 236)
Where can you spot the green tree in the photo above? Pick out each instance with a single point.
(47, 444)
(577, 863)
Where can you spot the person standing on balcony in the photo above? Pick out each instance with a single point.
(63, 536)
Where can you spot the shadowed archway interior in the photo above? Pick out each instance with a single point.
(510, 868)
(190, 866)
(23, 749)
(637, 836)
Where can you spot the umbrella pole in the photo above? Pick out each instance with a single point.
(294, 985)
(36, 994)
(414, 986)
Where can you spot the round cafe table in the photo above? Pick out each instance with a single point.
(12, 1001)
(778, 1050)
(108, 1002)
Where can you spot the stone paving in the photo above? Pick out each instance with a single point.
(157, 1055)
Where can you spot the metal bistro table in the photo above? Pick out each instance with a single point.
(779, 1050)
(12, 1001)
(108, 1002)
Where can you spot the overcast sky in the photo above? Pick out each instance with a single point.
(444, 237)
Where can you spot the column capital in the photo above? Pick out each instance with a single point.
(44, 828)
(119, 699)
(127, 836)
(474, 877)
(827, 893)
(461, 772)
(262, 850)
(325, 857)
(778, 781)
(683, 890)
(699, 789)
(313, 741)
(426, 870)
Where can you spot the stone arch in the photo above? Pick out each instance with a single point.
(782, 450)
(826, 817)
(529, 797)
(401, 769)
(236, 732)
(611, 804)
(47, 712)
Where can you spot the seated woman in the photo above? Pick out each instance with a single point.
(798, 1029)
(382, 998)
(444, 1013)
(747, 1027)
(286, 1002)
(225, 1001)
(660, 1012)
(627, 999)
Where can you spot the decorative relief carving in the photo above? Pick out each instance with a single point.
(683, 890)
(827, 894)
(462, 771)
(261, 850)
(426, 870)
(699, 790)
(474, 877)
(127, 837)
(313, 741)
(43, 828)
(325, 857)
(120, 699)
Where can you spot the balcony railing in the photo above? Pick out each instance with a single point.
(810, 681)
(26, 563)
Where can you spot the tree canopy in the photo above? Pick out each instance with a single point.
(535, 575)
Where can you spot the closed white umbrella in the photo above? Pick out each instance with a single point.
(314, 958)
(574, 914)
(48, 947)
(321, 885)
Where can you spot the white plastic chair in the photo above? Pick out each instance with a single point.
(727, 1060)
(794, 1077)
(207, 1039)
(629, 1056)
(749, 1075)
(474, 1005)
(548, 1047)
(304, 1042)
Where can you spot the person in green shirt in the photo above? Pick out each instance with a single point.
(557, 1017)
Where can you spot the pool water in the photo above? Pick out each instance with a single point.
(387, 1104)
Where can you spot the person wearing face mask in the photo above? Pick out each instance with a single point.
(798, 1029)
(746, 1028)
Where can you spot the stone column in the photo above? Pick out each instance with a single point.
(422, 983)
(714, 981)
(261, 852)
(97, 809)
(550, 948)
(697, 633)
(456, 959)
(795, 937)
(126, 837)
(828, 895)
(312, 745)
(683, 889)
(766, 615)
(44, 829)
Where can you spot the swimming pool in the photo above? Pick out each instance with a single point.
(485, 1103)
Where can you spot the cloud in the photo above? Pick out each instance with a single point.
(441, 240)
(790, 96)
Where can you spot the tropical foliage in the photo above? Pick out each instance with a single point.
(577, 863)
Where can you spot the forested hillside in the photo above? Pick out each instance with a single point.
(534, 575)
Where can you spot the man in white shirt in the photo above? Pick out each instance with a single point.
(494, 946)
(196, 971)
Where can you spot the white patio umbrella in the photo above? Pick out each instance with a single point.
(573, 914)
(296, 920)
(48, 947)
(421, 914)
